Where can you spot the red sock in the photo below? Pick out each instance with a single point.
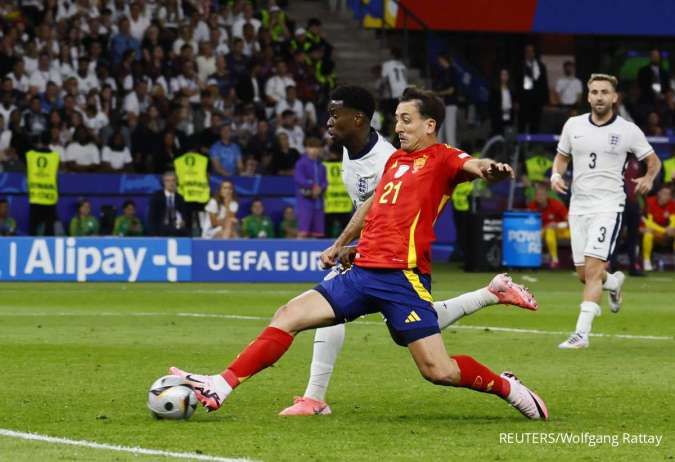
(264, 351)
(478, 377)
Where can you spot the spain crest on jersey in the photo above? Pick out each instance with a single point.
(419, 163)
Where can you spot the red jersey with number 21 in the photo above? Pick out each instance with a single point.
(414, 188)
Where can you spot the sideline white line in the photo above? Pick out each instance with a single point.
(511, 330)
(113, 447)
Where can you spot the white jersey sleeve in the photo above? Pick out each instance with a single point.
(639, 146)
(362, 174)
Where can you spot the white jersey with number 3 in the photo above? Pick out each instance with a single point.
(362, 172)
(598, 155)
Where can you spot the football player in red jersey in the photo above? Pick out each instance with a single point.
(391, 270)
(659, 223)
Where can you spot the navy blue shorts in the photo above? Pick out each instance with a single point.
(402, 296)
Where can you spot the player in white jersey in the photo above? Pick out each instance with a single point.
(598, 143)
(365, 153)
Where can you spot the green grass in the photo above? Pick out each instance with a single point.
(78, 358)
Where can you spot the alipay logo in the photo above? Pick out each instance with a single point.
(96, 259)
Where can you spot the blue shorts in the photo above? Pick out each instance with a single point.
(402, 296)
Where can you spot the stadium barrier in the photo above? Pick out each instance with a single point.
(160, 260)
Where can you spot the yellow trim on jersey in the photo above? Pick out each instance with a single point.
(417, 285)
(441, 206)
(412, 251)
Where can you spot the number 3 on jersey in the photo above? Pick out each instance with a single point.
(392, 186)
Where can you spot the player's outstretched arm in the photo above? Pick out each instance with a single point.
(488, 169)
(560, 163)
(645, 183)
(352, 230)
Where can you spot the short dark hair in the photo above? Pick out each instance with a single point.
(356, 98)
(127, 203)
(429, 105)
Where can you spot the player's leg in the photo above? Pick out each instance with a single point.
(647, 249)
(406, 304)
(339, 299)
(306, 311)
(436, 366)
(551, 239)
(601, 233)
(328, 343)
(500, 290)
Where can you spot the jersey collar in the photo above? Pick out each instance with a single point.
(609, 122)
(372, 141)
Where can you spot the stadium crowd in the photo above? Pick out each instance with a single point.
(115, 86)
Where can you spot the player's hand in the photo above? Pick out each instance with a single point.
(643, 184)
(670, 232)
(328, 257)
(559, 185)
(346, 255)
(497, 171)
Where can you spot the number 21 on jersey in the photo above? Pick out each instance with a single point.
(392, 186)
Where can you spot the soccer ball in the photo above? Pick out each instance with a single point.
(170, 397)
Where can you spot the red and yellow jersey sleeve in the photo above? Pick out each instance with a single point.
(414, 189)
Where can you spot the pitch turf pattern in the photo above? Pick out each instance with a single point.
(78, 358)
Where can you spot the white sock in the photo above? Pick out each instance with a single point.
(589, 310)
(611, 283)
(449, 311)
(221, 387)
(327, 345)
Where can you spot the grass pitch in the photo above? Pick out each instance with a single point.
(78, 359)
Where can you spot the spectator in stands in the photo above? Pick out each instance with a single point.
(166, 215)
(137, 101)
(116, 156)
(257, 224)
(83, 223)
(169, 150)
(5, 138)
(275, 88)
(220, 217)
(659, 224)
(568, 88)
(128, 224)
(288, 228)
(226, 159)
(445, 88)
(653, 125)
(237, 62)
(289, 126)
(123, 41)
(250, 167)
(502, 104)
(43, 74)
(310, 185)
(653, 79)
(245, 19)
(7, 223)
(394, 75)
(33, 120)
(314, 37)
(553, 221)
(669, 168)
(81, 154)
(533, 91)
(284, 156)
(261, 145)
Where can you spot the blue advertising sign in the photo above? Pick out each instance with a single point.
(269, 260)
(521, 239)
(95, 259)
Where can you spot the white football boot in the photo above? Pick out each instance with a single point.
(615, 297)
(576, 341)
(524, 399)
